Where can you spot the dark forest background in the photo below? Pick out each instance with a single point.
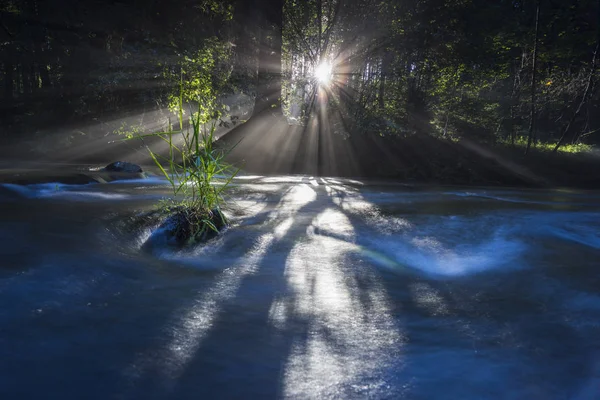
(519, 76)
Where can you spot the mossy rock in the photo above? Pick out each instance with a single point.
(121, 170)
(184, 227)
(123, 166)
(187, 226)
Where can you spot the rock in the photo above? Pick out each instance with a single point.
(121, 170)
(123, 166)
(176, 230)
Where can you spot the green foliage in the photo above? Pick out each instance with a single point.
(129, 131)
(10, 7)
(548, 147)
(86, 62)
(456, 68)
(200, 76)
(216, 8)
(195, 169)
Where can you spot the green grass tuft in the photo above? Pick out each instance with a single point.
(196, 170)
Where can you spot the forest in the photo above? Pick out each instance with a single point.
(460, 91)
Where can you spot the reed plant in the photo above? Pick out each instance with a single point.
(197, 172)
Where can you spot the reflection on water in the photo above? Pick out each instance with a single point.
(322, 288)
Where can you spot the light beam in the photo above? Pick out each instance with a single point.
(323, 73)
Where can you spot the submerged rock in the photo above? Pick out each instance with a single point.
(121, 170)
(123, 166)
(185, 227)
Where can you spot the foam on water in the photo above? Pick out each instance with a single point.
(429, 255)
(583, 234)
(46, 190)
(39, 190)
(151, 180)
(572, 199)
(88, 195)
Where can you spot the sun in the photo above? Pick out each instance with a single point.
(323, 73)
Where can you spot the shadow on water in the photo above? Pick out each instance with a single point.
(288, 303)
(298, 319)
(201, 321)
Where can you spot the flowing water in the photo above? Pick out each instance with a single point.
(321, 288)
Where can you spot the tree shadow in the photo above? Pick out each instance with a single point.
(280, 312)
(314, 304)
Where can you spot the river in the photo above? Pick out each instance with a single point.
(321, 288)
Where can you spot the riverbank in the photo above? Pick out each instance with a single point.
(418, 158)
(466, 162)
(280, 149)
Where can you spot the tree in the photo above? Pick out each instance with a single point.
(586, 92)
(531, 135)
(268, 96)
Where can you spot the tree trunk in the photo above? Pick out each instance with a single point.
(246, 31)
(384, 71)
(34, 78)
(25, 77)
(445, 132)
(320, 28)
(44, 76)
(515, 98)
(269, 69)
(577, 136)
(8, 80)
(18, 79)
(533, 79)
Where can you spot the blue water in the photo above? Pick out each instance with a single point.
(321, 288)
